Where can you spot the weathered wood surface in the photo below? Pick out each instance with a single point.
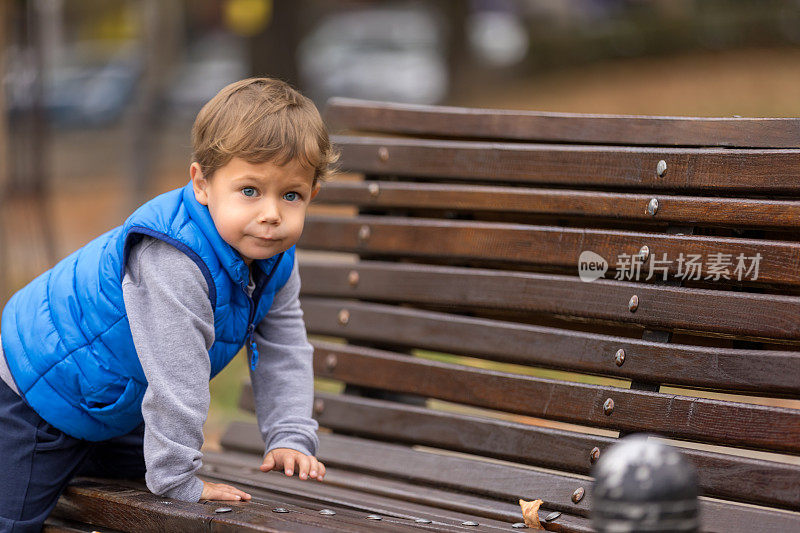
(720, 475)
(498, 481)
(735, 313)
(683, 417)
(58, 525)
(129, 508)
(366, 493)
(756, 371)
(688, 169)
(504, 482)
(523, 244)
(730, 212)
(538, 213)
(132, 508)
(445, 121)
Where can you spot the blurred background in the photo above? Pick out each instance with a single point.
(97, 97)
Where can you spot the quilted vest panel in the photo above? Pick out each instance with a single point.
(66, 335)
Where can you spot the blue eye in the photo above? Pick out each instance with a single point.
(249, 192)
(291, 196)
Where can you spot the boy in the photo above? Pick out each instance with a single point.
(106, 356)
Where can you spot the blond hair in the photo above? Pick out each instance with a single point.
(260, 120)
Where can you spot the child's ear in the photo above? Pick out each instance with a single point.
(199, 183)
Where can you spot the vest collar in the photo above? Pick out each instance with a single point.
(228, 257)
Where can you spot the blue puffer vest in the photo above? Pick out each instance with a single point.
(66, 335)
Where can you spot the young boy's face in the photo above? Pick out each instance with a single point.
(258, 208)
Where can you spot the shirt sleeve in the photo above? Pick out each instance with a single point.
(283, 381)
(172, 323)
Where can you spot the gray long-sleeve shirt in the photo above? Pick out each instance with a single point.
(166, 299)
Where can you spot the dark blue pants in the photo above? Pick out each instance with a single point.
(37, 461)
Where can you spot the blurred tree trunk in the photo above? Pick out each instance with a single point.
(3, 118)
(159, 48)
(26, 229)
(458, 61)
(273, 52)
(4, 288)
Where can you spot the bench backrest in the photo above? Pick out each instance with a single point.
(462, 233)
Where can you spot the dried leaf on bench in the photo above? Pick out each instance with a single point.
(530, 512)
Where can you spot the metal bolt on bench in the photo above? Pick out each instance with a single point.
(652, 207)
(661, 168)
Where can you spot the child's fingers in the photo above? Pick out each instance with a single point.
(225, 496)
(314, 469)
(269, 463)
(220, 491)
(231, 490)
(303, 466)
(288, 466)
(320, 471)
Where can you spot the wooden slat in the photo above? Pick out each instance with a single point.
(136, 510)
(303, 503)
(508, 482)
(734, 313)
(688, 169)
(761, 371)
(705, 420)
(735, 212)
(128, 509)
(58, 525)
(541, 245)
(446, 121)
(361, 494)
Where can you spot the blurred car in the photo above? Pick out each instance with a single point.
(381, 53)
(76, 92)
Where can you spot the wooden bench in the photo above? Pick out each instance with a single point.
(464, 238)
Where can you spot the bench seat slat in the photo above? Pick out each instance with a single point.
(117, 505)
(761, 371)
(725, 312)
(502, 481)
(308, 500)
(366, 493)
(490, 480)
(59, 525)
(713, 421)
(446, 121)
(720, 475)
(135, 510)
(688, 169)
(491, 242)
(735, 212)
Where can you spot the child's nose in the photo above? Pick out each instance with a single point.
(269, 213)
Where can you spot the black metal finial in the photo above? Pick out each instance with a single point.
(644, 485)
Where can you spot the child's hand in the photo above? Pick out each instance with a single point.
(220, 491)
(286, 458)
